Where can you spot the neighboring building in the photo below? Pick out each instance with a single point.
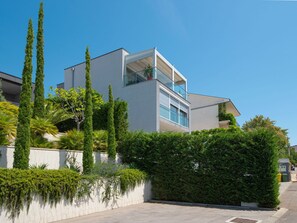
(205, 111)
(11, 87)
(156, 92)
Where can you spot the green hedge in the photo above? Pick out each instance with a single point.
(219, 167)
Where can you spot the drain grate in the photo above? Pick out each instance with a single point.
(242, 220)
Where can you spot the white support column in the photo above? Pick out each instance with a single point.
(154, 65)
(172, 77)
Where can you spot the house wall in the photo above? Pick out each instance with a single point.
(42, 213)
(205, 118)
(109, 69)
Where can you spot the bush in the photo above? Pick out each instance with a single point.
(130, 178)
(17, 187)
(72, 140)
(191, 167)
(107, 169)
(100, 140)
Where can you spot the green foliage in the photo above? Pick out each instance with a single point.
(120, 118)
(2, 98)
(100, 140)
(42, 166)
(110, 127)
(259, 121)
(72, 140)
(38, 110)
(130, 178)
(22, 143)
(73, 101)
(55, 114)
(39, 127)
(8, 122)
(191, 167)
(223, 116)
(107, 169)
(17, 187)
(293, 156)
(88, 160)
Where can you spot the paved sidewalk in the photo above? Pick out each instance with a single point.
(156, 212)
(289, 201)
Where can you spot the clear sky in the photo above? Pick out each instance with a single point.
(245, 50)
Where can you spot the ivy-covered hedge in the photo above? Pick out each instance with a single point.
(219, 167)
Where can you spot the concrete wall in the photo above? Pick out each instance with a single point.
(54, 158)
(41, 213)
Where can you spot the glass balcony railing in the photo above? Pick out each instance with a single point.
(137, 77)
(176, 117)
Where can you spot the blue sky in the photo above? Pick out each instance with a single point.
(245, 50)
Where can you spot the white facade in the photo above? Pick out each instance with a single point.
(128, 76)
(205, 111)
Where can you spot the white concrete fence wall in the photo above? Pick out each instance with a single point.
(42, 213)
(54, 158)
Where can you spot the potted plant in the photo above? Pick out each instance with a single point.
(148, 72)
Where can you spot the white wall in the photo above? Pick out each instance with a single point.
(41, 213)
(205, 118)
(54, 158)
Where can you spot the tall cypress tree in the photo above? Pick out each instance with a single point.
(39, 87)
(22, 142)
(110, 127)
(88, 161)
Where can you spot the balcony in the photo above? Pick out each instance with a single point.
(154, 73)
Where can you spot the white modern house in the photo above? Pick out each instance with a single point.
(156, 92)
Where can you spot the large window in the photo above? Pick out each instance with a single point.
(173, 113)
(173, 110)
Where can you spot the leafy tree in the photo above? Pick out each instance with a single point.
(259, 121)
(22, 143)
(73, 101)
(2, 98)
(88, 161)
(38, 110)
(223, 115)
(111, 150)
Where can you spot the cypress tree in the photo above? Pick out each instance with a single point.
(22, 142)
(39, 87)
(88, 161)
(111, 150)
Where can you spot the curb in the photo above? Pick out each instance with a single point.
(232, 207)
(274, 218)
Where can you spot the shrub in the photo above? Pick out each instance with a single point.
(191, 167)
(130, 178)
(17, 187)
(107, 169)
(72, 140)
(100, 140)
